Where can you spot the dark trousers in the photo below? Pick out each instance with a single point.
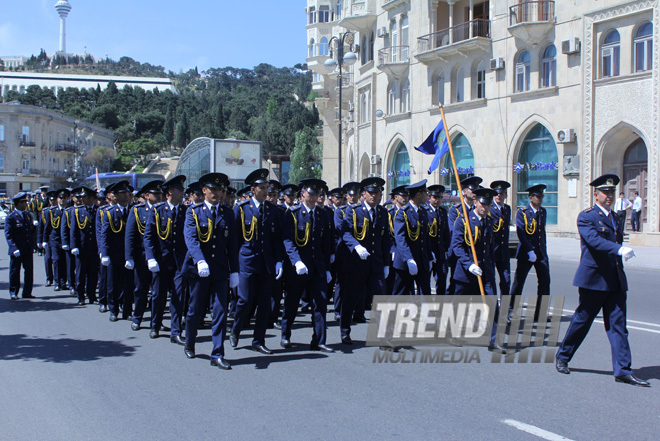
(164, 282)
(613, 304)
(337, 282)
(622, 218)
(253, 289)
(542, 268)
(404, 283)
(70, 268)
(15, 264)
(316, 285)
(59, 265)
(203, 289)
(363, 280)
(48, 264)
(503, 268)
(277, 293)
(103, 285)
(634, 220)
(87, 273)
(142, 280)
(472, 289)
(440, 276)
(120, 287)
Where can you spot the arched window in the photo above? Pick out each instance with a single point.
(644, 47)
(323, 47)
(400, 170)
(538, 156)
(405, 97)
(464, 162)
(610, 54)
(549, 67)
(440, 89)
(312, 48)
(522, 71)
(459, 86)
(481, 80)
(391, 100)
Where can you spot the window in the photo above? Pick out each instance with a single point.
(404, 38)
(405, 97)
(338, 10)
(394, 41)
(440, 89)
(464, 162)
(644, 47)
(365, 105)
(2, 132)
(364, 50)
(371, 46)
(312, 15)
(324, 14)
(2, 160)
(391, 100)
(26, 134)
(459, 86)
(400, 171)
(522, 71)
(481, 80)
(549, 67)
(323, 47)
(312, 48)
(610, 54)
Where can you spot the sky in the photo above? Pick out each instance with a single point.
(178, 35)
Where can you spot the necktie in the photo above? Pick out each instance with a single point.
(213, 213)
(311, 216)
(26, 219)
(372, 215)
(261, 212)
(174, 213)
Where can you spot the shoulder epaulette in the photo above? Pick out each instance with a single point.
(160, 204)
(247, 201)
(587, 210)
(295, 208)
(199, 204)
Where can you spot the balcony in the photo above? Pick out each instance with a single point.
(28, 171)
(346, 84)
(394, 60)
(65, 148)
(463, 39)
(27, 144)
(360, 16)
(532, 21)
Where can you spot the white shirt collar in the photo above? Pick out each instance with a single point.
(607, 212)
(209, 205)
(256, 202)
(533, 209)
(415, 207)
(309, 209)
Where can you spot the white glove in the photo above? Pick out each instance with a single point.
(474, 269)
(301, 268)
(75, 251)
(328, 276)
(362, 252)
(130, 264)
(626, 253)
(105, 261)
(412, 267)
(386, 270)
(233, 280)
(65, 247)
(332, 258)
(531, 256)
(433, 257)
(278, 270)
(153, 265)
(17, 253)
(203, 269)
(44, 245)
(35, 223)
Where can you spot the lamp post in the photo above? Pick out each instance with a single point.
(349, 59)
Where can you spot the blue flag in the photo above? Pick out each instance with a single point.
(435, 144)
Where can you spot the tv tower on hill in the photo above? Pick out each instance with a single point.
(63, 8)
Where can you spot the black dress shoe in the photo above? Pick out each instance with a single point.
(347, 340)
(508, 320)
(285, 343)
(631, 379)
(496, 347)
(322, 348)
(261, 348)
(113, 318)
(135, 326)
(278, 325)
(337, 317)
(57, 288)
(154, 333)
(81, 303)
(221, 363)
(233, 340)
(178, 340)
(72, 293)
(14, 297)
(103, 308)
(361, 319)
(29, 296)
(190, 352)
(562, 367)
(49, 283)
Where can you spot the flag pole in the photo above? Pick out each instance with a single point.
(460, 195)
(98, 182)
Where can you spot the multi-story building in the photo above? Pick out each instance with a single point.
(42, 147)
(533, 92)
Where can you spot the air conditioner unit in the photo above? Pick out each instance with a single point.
(19, 136)
(496, 63)
(570, 46)
(382, 32)
(374, 160)
(565, 135)
(350, 107)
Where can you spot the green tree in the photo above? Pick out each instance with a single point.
(306, 156)
(182, 131)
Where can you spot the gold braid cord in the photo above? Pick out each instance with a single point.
(68, 220)
(392, 223)
(84, 224)
(365, 227)
(412, 235)
(248, 235)
(529, 228)
(498, 227)
(433, 228)
(112, 225)
(467, 237)
(54, 223)
(203, 237)
(300, 242)
(168, 229)
(140, 226)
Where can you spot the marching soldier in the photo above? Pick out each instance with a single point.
(258, 224)
(134, 252)
(439, 236)
(399, 196)
(366, 233)
(413, 255)
(532, 248)
(42, 241)
(104, 204)
(65, 232)
(289, 193)
(84, 246)
(601, 283)
(165, 251)
(211, 262)
(53, 239)
(308, 243)
(19, 232)
(501, 214)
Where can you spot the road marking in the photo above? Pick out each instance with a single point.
(536, 431)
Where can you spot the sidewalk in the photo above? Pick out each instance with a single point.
(568, 249)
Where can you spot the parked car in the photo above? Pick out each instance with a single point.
(3, 217)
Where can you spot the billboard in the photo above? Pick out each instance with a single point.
(236, 158)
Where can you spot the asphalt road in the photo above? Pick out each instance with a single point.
(67, 373)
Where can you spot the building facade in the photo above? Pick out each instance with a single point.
(533, 92)
(42, 147)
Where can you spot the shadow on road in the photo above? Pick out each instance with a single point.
(264, 361)
(59, 350)
(645, 373)
(38, 305)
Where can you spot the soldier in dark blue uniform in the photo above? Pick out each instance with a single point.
(83, 245)
(339, 250)
(211, 262)
(65, 232)
(54, 239)
(259, 229)
(601, 283)
(19, 232)
(308, 243)
(165, 251)
(103, 270)
(42, 240)
(413, 255)
(136, 261)
(112, 250)
(289, 193)
(501, 214)
(335, 196)
(366, 233)
(399, 197)
(439, 236)
(532, 248)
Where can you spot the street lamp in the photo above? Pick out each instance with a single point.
(349, 59)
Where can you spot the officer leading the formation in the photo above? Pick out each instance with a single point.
(19, 231)
(601, 283)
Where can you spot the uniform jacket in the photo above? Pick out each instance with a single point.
(482, 235)
(113, 232)
(600, 268)
(414, 246)
(52, 228)
(83, 231)
(19, 231)
(338, 245)
(135, 227)
(43, 219)
(65, 226)
(501, 222)
(100, 217)
(259, 236)
(376, 239)
(439, 235)
(163, 236)
(530, 228)
(312, 248)
(453, 214)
